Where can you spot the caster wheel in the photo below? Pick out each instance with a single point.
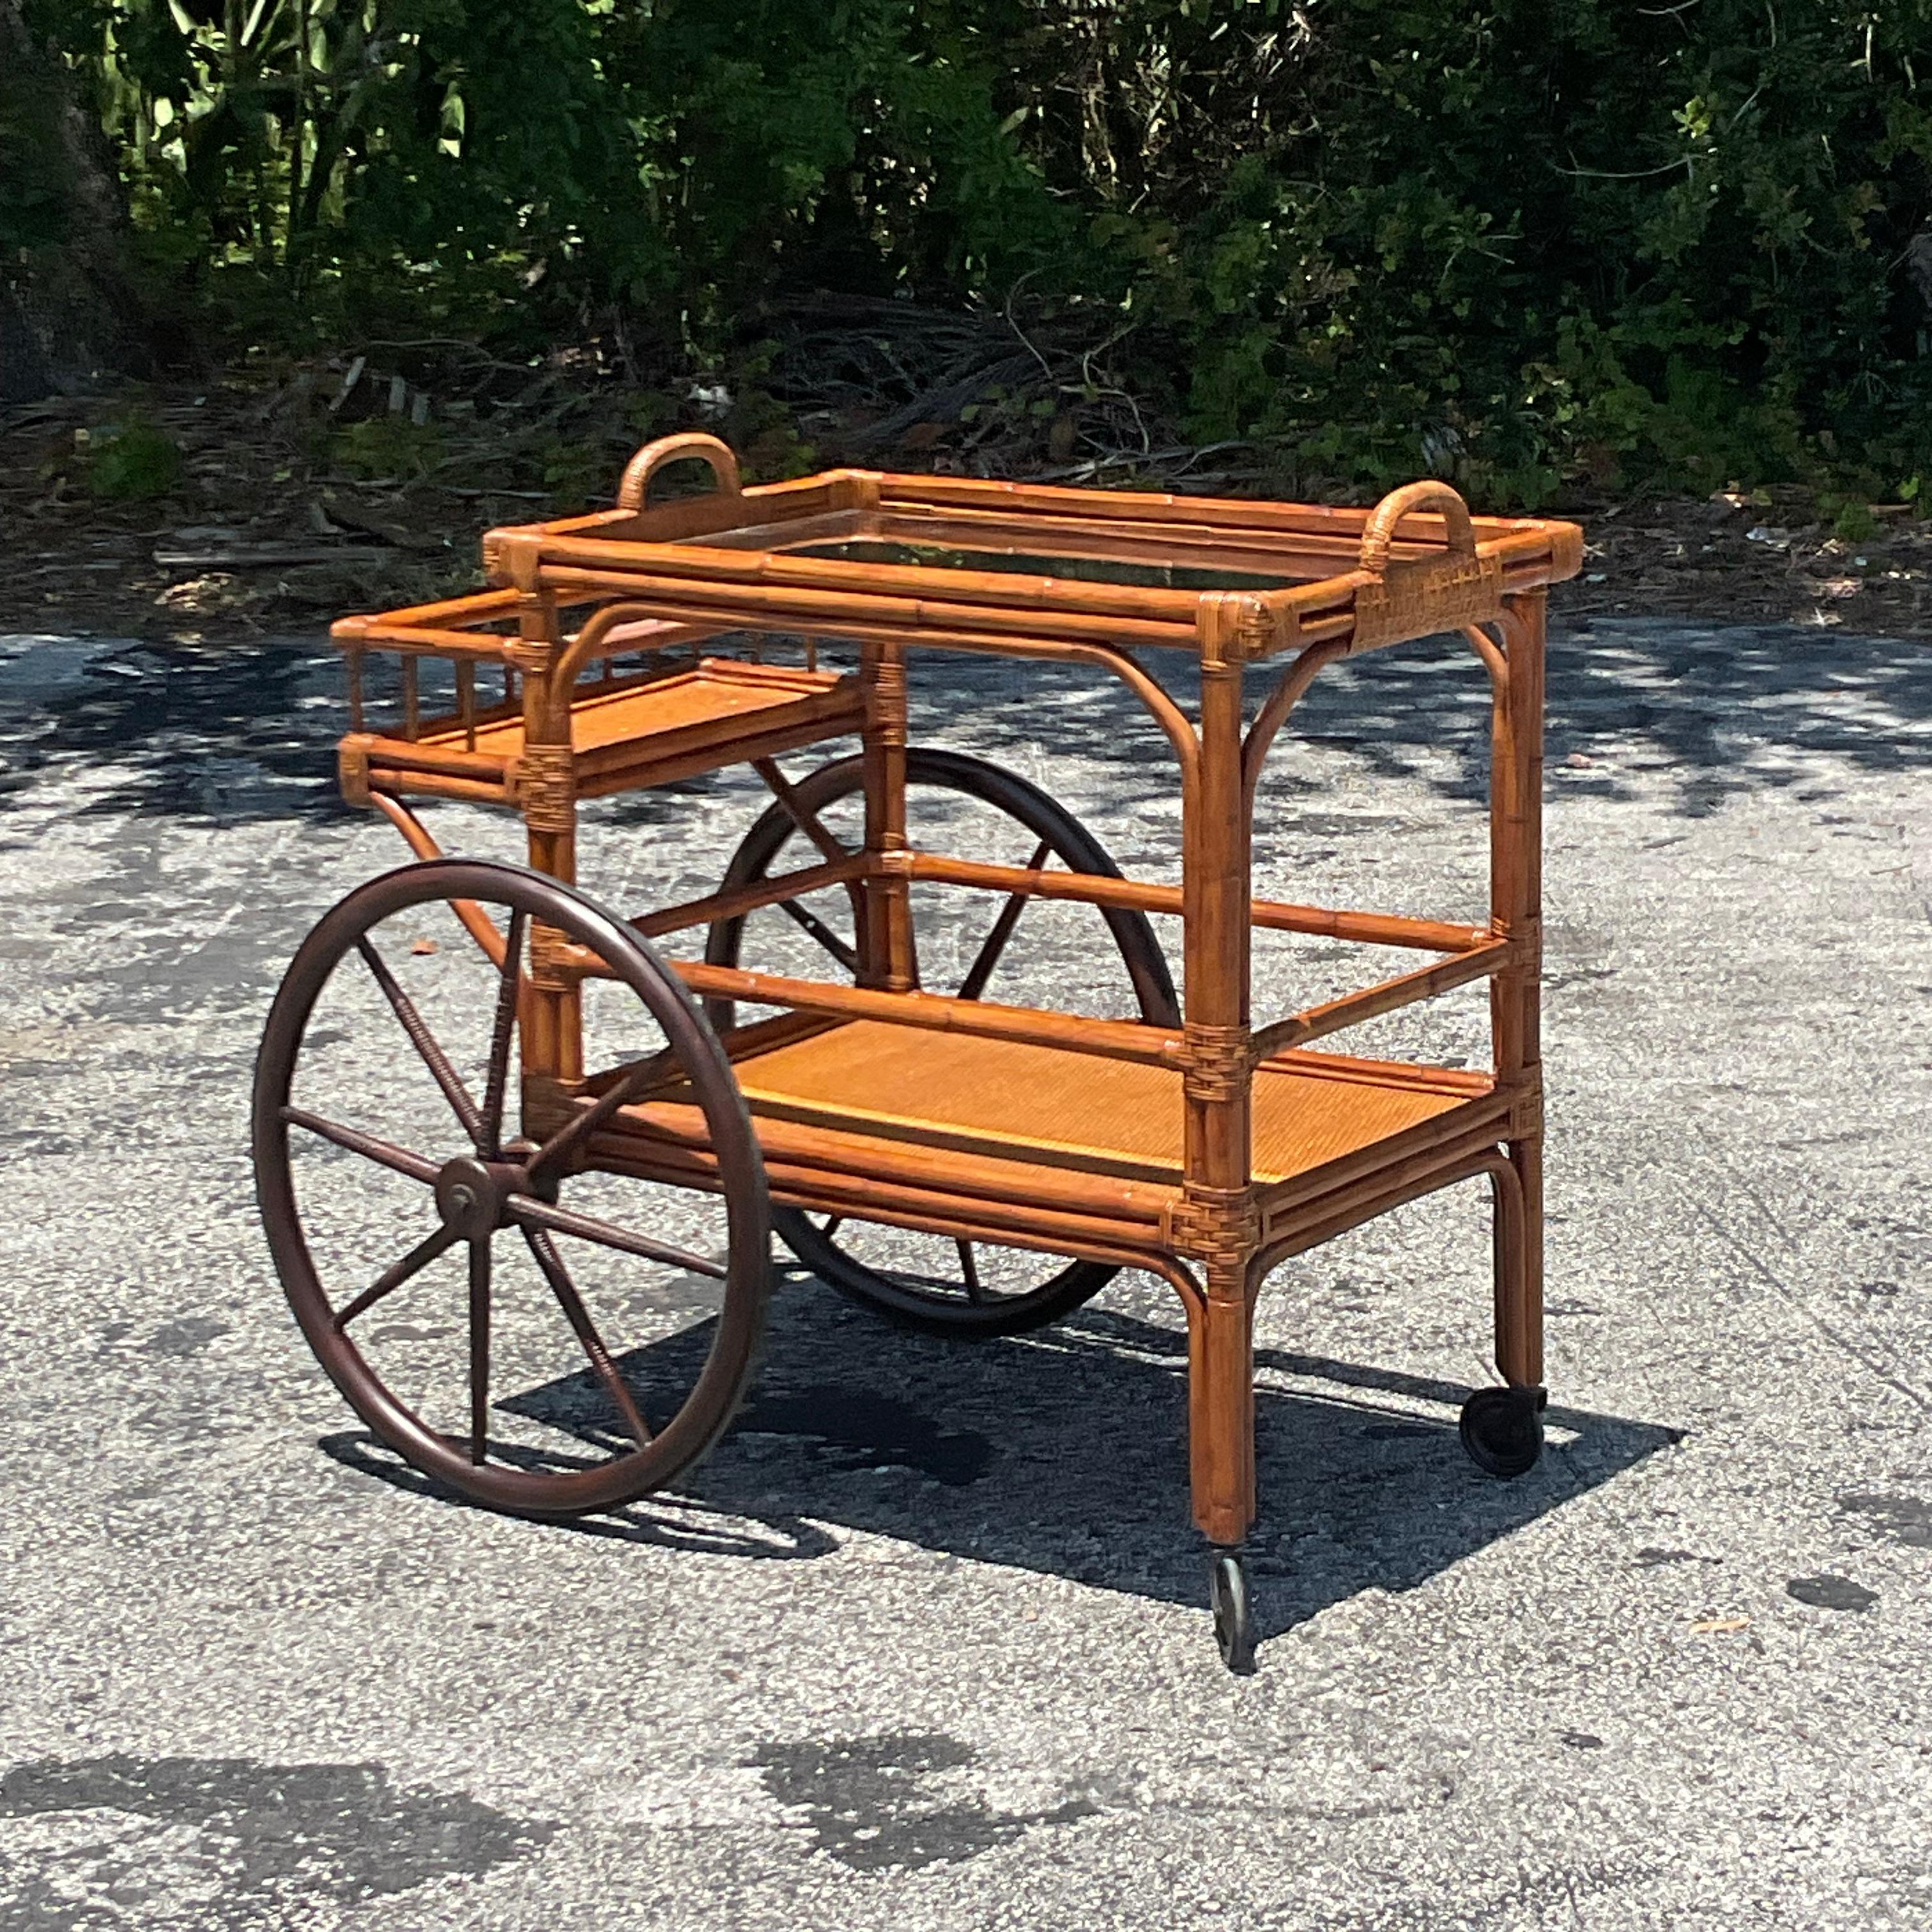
(1502, 1430)
(1234, 1620)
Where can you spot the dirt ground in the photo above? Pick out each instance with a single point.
(304, 492)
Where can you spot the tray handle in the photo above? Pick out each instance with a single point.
(1379, 532)
(632, 491)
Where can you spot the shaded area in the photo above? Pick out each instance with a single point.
(1065, 1453)
(230, 733)
(883, 1803)
(231, 1844)
(665, 1522)
(1899, 1519)
(238, 732)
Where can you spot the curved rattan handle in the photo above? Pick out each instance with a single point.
(1379, 531)
(632, 491)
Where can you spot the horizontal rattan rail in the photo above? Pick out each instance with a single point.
(740, 899)
(1367, 928)
(1107, 1039)
(1484, 962)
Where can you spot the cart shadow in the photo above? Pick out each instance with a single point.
(1063, 1453)
(664, 1521)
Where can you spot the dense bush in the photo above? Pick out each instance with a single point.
(1516, 241)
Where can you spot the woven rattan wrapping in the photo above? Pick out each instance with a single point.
(1427, 595)
(1218, 1061)
(546, 787)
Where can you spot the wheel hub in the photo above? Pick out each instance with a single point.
(470, 1198)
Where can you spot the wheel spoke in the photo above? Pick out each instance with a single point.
(846, 955)
(527, 1210)
(564, 1289)
(479, 1352)
(491, 1140)
(424, 1041)
(969, 1270)
(368, 1145)
(994, 943)
(807, 822)
(798, 811)
(392, 1277)
(644, 1074)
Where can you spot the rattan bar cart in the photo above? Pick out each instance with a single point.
(626, 652)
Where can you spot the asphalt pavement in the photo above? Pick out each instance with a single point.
(924, 1644)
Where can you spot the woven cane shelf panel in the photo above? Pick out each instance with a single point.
(1003, 1099)
(652, 717)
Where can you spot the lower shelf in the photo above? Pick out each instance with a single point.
(1044, 1106)
(1043, 1147)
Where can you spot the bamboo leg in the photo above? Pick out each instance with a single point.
(1221, 1405)
(1519, 1200)
(1218, 1205)
(550, 1014)
(885, 943)
(1516, 996)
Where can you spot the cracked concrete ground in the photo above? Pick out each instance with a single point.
(922, 1645)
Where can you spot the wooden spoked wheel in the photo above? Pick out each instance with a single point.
(954, 804)
(545, 1338)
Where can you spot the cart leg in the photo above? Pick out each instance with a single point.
(1221, 1441)
(885, 941)
(1221, 1406)
(1502, 1428)
(1519, 1236)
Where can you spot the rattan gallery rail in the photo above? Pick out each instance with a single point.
(405, 1195)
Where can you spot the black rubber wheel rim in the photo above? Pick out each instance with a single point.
(1502, 1430)
(935, 1306)
(1233, 1614)
(471, 1198)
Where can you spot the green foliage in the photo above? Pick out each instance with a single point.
(133, 463)
(1850, 518)
(1518, 243)
(386, 448)
(575, 475)
(1528, 238)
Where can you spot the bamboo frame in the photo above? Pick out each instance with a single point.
(1309, 585)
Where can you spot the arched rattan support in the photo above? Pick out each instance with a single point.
(1166, 713)
(477, 923)
(1518, 1311)
(1178, 1276)
(1148, 689)
(1274, 714)
(1512, 621)
(1491, 652)
(576, 654)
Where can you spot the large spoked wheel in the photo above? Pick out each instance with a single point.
(954, 804)
(544, 1337)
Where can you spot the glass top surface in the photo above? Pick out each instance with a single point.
(1081, 569)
